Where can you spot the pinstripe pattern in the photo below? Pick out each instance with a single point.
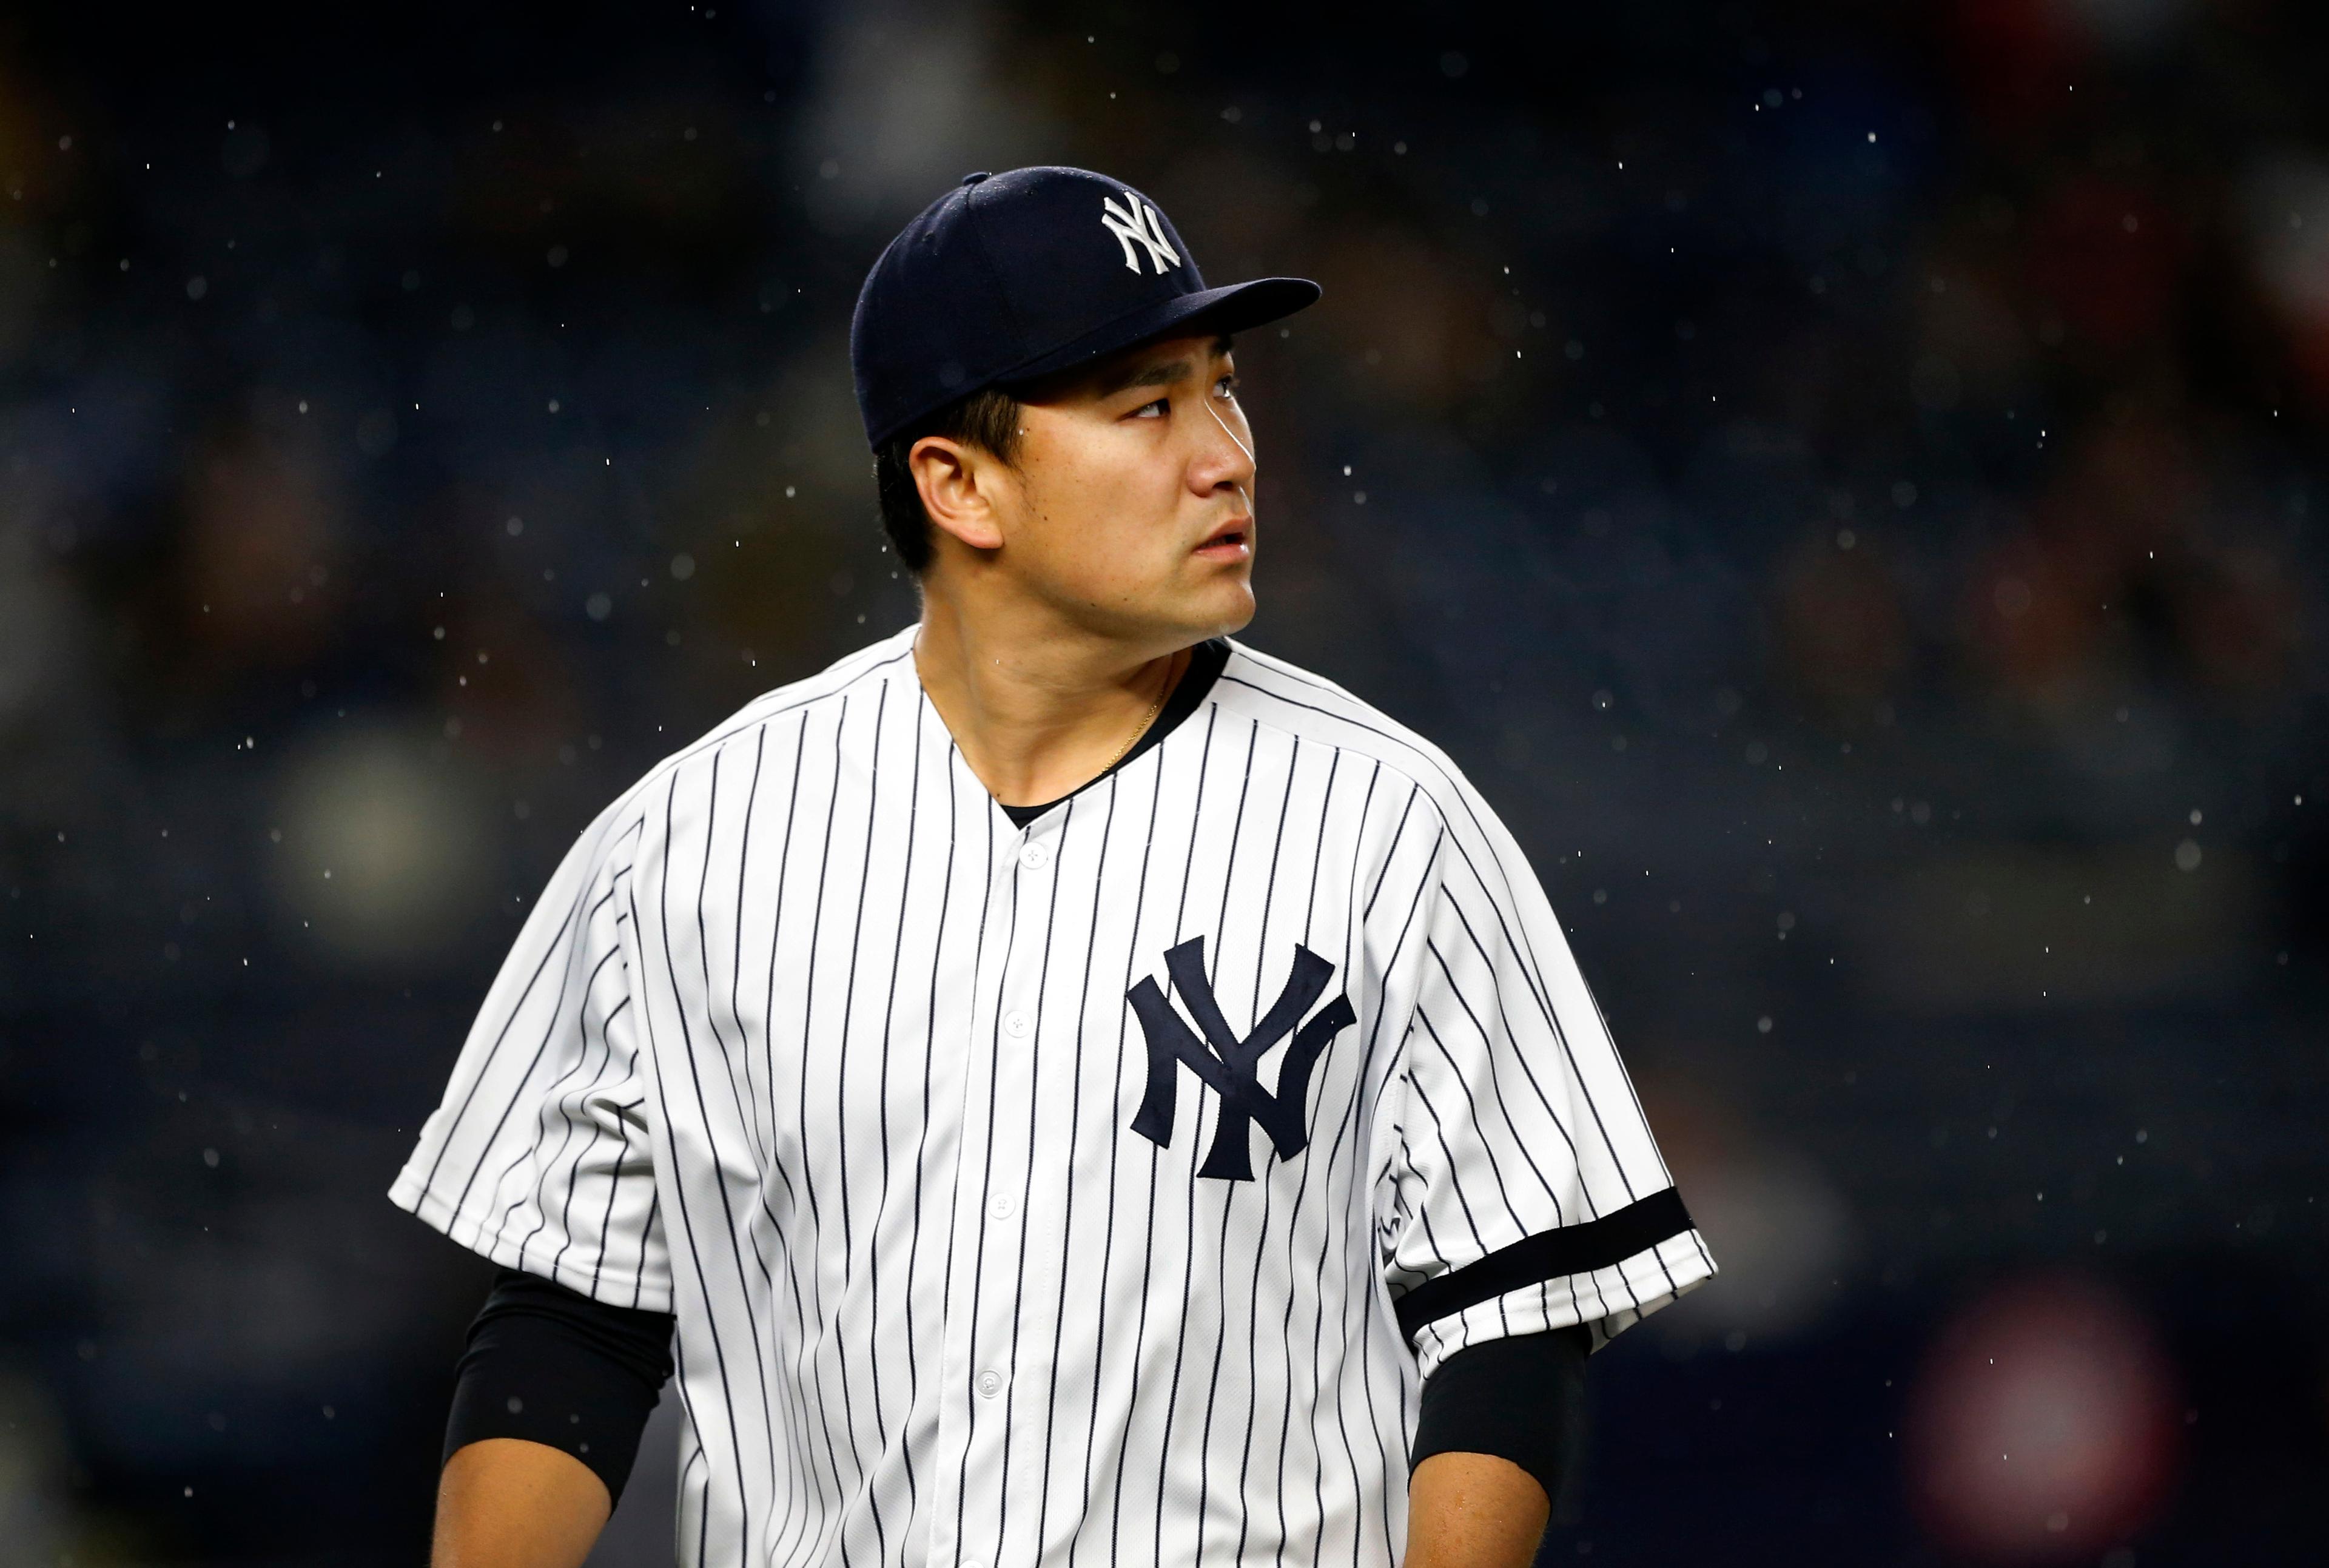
(808, 1043)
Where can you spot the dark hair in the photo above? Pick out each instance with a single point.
(987, 417)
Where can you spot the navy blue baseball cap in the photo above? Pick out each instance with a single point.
(1014, 275)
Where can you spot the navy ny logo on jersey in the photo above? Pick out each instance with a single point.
(1228, 1068)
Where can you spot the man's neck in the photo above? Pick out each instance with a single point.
(1038, 711)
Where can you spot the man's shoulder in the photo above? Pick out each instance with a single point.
(1283, 695)
(862, 669)
(1272, 692)
(870, 664)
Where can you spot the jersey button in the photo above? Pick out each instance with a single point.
(1001, 1204)
(1035, 857)
(990, 1383)
(1017, 1025)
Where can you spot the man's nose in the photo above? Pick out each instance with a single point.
(1228, 459)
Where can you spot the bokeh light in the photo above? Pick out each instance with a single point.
(2044, 1425)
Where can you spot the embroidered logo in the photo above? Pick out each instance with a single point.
(1136, 222)
(1228, 1067)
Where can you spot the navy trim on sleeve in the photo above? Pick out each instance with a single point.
(551, 1365)
(1577, 1249)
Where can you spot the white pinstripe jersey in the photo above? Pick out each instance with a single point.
(1101, 1192)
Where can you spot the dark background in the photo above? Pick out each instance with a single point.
(1846, 480)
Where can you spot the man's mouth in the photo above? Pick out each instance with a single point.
(1233, 538)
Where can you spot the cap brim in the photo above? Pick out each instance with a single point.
(1234, 307)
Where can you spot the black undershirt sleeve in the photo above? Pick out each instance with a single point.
(552, 1367)
(1520, 1398)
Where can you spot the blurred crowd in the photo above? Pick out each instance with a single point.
(1847, 482)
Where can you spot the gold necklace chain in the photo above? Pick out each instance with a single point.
(1149, 718)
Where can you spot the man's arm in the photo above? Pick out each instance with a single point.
(507, 1503)
(1497, 1438)
(1472, 1511)
(552, 1396)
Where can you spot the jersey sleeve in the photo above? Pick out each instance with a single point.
(539, 1155)
(1524, 1191)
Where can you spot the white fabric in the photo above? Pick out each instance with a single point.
(808, 1043)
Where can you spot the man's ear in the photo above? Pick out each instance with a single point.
(958, 484)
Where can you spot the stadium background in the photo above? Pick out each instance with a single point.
(1847, 481)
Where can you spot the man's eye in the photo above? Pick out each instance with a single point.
(1227, 386)
(1151, 409)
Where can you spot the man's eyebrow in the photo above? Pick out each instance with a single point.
(1156, 373)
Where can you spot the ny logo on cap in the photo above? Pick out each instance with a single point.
(1228, 1068)
(1136, 221)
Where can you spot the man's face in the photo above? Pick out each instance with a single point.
(1131, 509)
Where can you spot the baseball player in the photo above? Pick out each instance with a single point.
(1062, 1085)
